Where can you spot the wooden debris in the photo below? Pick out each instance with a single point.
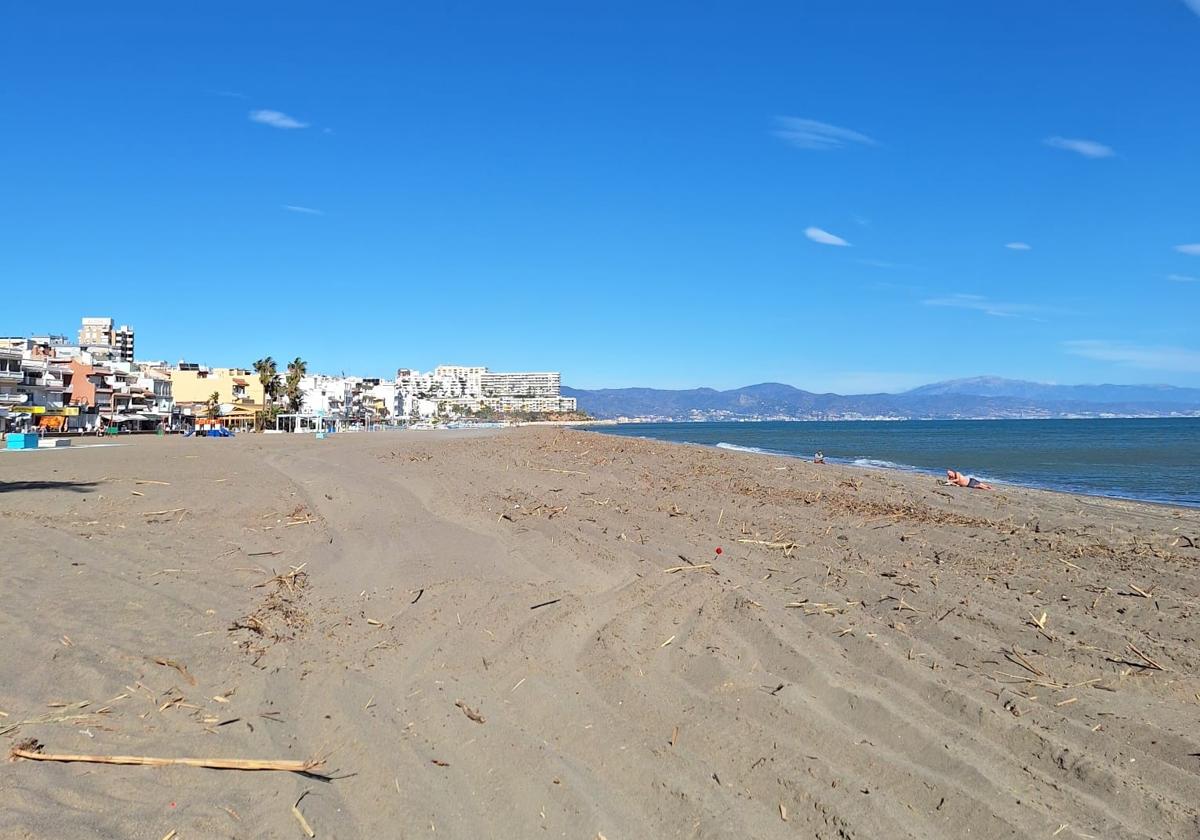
(545, 604)
(1150, 663)
(689, 568)
(667, 642)
(31, 750)
(163, 512)
(171, 663)
(470, 713)
(300, 817)
(787, 547)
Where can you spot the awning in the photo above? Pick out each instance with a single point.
(121, 418)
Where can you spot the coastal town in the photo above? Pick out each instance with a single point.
(96, 384)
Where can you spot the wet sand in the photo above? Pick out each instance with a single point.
(479, 634)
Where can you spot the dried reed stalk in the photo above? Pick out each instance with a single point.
(32, 751)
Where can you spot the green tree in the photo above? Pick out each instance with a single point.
(296, 370)
(212, 405)
(268, 377)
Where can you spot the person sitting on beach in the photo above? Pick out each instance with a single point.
(960, 480)
(819, 458)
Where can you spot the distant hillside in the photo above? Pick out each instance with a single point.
(981, 397)
(993, 386)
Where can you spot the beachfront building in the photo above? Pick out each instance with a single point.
(35, 384)
(104, 340)
(326, 395)
(457, 389)
(239, 392)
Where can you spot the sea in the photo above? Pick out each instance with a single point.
(1152, 460)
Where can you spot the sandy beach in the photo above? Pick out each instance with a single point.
(530, 633)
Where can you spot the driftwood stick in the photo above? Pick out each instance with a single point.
(32, 752)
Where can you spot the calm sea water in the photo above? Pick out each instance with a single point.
(1152, 460)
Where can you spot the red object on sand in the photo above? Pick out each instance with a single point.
(718, 549)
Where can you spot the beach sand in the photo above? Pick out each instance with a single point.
(872, 655)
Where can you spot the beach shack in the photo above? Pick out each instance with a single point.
(306, 423)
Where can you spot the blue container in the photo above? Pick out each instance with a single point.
(21, 441)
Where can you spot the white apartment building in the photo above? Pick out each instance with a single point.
(470, 388)
(35, 384)
(326, 395)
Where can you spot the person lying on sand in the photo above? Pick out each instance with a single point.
(957, 478)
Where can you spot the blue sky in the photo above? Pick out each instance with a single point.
(634, 193)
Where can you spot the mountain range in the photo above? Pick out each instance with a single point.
(974, 398)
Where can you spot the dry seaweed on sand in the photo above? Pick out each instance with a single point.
(473, 714)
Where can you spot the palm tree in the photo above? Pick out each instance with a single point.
(268, 377)
(297, 368)
(213, 405)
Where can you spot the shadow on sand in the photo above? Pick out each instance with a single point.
(73, 486)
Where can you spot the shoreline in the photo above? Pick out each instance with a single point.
(1057, 485)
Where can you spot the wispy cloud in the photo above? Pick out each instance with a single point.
(1183, 278)
(1194, 5)
(979, 303)
(1128, 354)
(277, 119)
(296, 208)
(810, 134)
(1087, 148)
(1192, 248)
(1018, 246)
(824, 237)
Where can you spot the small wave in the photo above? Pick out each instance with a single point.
(884, 465)
(736, 448)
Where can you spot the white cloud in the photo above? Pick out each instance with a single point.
(979, 303)
(277, 119)
(810, 134)
(1192, 248)
(1194, 5)
(1087, 148)
(296, 208)
(1018, 246)
(1146, 357)
(1183, 278)
(824, 237)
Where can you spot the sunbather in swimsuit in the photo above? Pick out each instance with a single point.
(971, 482)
